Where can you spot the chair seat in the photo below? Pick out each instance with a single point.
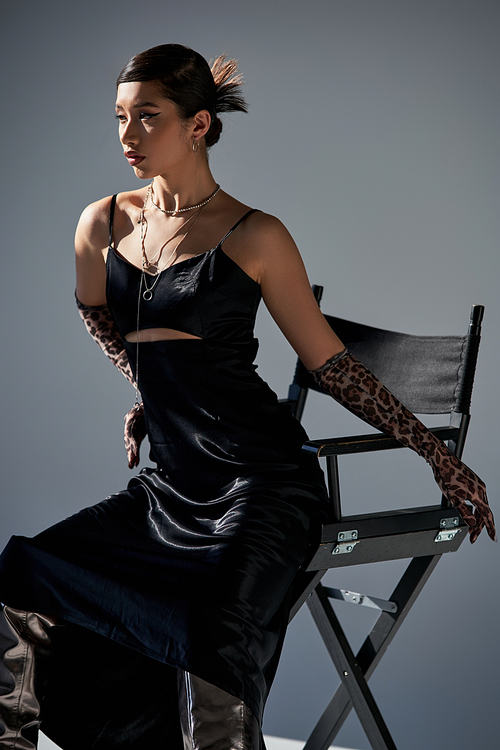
(390, 535)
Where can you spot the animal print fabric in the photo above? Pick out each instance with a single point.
(102, 328)
(351, 384)
(134, 434)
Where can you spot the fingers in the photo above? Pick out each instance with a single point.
(133, 454)
(134, 434)
(132, 446)
(133, 460)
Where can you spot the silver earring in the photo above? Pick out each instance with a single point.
(196, 146)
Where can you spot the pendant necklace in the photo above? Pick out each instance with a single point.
(151, 265)
(147, 294)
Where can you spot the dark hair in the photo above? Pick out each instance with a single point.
(185, 78)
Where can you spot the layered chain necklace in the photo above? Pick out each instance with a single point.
(151, 266)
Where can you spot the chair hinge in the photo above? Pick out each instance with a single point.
(343, 549)
(347, 536)
(449, 523)
(346, 541)
(448, 529)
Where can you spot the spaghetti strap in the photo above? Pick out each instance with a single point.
(111, 216)
(252, 211)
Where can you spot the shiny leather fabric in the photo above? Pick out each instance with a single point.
(211, 719)
(24, 646)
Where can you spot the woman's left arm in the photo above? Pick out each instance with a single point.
(287, 293)
(288, 296)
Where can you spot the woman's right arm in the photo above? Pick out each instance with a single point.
(91, 247)
(91, 244)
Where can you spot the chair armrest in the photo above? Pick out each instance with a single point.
(376, 441)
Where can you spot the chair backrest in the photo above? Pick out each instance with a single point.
(429, 374)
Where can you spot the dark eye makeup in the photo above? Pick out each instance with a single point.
(142, 116)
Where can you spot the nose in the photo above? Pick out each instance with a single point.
(128, 135)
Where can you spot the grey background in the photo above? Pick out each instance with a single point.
(373, 134)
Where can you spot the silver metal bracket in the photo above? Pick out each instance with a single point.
(449, 523)
(446, 535)
(346, 541)
(347, 536)
(351, 597)
(343, 549)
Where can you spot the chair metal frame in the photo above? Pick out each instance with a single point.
(423, 534)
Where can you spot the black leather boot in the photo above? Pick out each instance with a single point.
(24, 645)
(211, 719)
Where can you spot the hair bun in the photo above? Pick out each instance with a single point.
(228, 97)
(227, 83)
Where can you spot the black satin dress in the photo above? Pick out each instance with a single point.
(191, 565)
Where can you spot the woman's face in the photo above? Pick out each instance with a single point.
(155, 141)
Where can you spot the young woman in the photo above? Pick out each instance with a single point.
(163, 608)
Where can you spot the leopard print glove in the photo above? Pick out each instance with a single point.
(355, 387)
(102, 328)
(134, 434)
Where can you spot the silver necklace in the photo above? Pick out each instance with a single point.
(147, 294)
(180, 210)
(151, 265)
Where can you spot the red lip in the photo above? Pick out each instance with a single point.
(133, 158)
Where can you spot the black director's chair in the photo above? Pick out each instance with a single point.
(430, 375)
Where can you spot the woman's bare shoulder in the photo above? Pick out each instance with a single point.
(268, 239)
(260, 242)
(93, 227)
(263, 228)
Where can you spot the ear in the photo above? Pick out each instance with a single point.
(201, 124)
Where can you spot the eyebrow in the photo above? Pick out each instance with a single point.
(139, 105)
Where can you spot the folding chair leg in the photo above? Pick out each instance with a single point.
(349, 671)
(405, 594)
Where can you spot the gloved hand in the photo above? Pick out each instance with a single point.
(461, 486)
(134, 433)
(350, 383)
